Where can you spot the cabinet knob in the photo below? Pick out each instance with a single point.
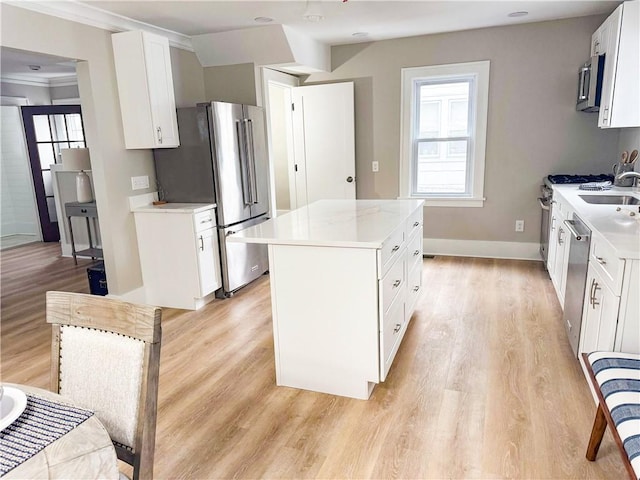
(350, 179)
(416, 253)
(397, 328)
(416, 288)
(396, 248)
(416, 224)
(601, 260)
(397, 283)
(201, 243)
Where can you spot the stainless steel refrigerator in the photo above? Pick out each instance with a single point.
(222, 159)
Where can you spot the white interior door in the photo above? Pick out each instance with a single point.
(324, 142)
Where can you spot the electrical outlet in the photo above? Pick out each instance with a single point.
(519, 225)
(375, 167)
(139, 183)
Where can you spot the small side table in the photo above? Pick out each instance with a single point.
(87, 210)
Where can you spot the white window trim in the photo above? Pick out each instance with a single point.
(481, 70)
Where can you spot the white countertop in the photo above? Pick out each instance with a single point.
(175, 208)
(619, 229)
(333, 223)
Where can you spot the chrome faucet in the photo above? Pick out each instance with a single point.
(633, 174)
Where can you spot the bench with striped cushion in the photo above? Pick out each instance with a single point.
(616, 379)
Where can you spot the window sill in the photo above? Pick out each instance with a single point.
(450, 202)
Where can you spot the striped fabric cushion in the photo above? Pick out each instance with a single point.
(618, 376)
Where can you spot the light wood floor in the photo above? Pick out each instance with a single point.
(484, 385)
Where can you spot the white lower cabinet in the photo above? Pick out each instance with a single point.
(179, 255)
(599, 314)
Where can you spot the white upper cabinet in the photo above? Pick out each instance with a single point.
(145, 87)
(619, 40)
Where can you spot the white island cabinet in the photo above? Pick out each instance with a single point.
(179, 255)
(345, 278)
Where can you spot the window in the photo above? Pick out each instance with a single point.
(444, 118)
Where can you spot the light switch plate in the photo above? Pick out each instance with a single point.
(140, 183)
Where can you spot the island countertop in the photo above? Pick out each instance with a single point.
(333, 223)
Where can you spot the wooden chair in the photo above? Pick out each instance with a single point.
(615, 378)
(105, 357)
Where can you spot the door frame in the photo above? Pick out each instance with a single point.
(50, 230)
(286, 81)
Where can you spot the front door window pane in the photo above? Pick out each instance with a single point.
(74, 127)
(41, 125)
(45, 151)
(60, 129)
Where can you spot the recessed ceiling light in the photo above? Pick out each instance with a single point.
(313, 17)
(263, 19)
(359, 34)
(518, 14)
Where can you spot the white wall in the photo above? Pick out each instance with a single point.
(112, 165)
(18, 208)
(279, 154)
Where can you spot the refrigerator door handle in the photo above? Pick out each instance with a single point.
(253, 185)
(242, 152)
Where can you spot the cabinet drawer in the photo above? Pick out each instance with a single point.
(392, 283)
(391, 248)
(75, 209)
(204, 220)
(414, 222)
(611, 267)
(393, 327)
(414, 288)
(414, 248)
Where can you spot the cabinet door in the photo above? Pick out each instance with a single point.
(600, 315)
(161, 96)
(609, 37)
(553, 244)
(626, 87)
(208, 264)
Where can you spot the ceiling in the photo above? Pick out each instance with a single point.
(378, 20)
(371, 20)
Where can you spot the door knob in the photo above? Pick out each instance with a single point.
(350, 179)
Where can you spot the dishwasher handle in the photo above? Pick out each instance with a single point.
(580, 237)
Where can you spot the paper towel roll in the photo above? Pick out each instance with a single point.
(75, 159)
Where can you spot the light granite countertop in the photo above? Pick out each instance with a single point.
(333, 223)
(618, 228)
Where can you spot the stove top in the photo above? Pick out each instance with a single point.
(563, 179)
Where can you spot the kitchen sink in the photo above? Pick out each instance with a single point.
(610, 199)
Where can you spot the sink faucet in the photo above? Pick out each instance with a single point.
(633, 174)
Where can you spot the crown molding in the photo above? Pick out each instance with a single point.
(68, 81)
(34, 81)
(25, 80)
(96, 17)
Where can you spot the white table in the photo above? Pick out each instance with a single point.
(85, 452)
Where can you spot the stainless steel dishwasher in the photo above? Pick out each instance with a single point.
(576, 278)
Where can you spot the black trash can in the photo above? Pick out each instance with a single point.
(97, 279)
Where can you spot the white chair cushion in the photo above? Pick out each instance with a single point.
(102, 371)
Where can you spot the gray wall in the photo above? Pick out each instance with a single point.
(66, 91)
(231, 83)
(112, 164)
(533, 128)
(36, 95)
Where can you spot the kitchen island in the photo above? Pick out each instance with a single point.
(345, 278)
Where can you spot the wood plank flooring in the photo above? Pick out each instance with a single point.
(483, 386)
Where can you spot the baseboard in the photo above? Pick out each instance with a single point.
(137, 295)
(481, 248)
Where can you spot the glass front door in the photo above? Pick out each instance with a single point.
(49, 128)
